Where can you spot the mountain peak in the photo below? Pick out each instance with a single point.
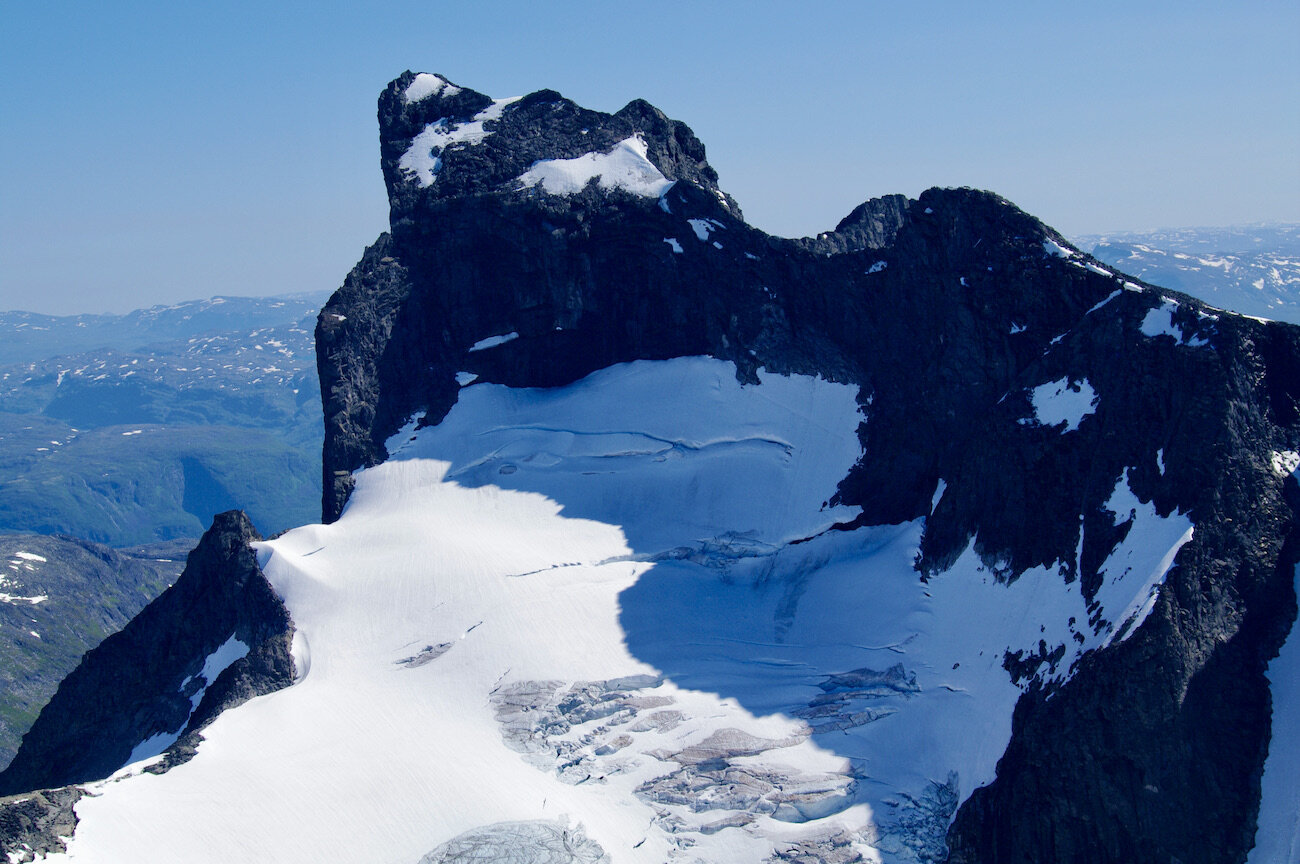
(441, 141)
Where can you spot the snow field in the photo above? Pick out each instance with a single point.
(467, 631)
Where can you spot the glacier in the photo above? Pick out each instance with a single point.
(621, 618)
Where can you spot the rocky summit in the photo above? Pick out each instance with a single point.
(651, 537)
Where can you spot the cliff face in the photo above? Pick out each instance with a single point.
(581, 240)
(216, 638)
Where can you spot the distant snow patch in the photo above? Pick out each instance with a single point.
(14, 599)
(1063, 401)
(426, 85)
(29, 556)
(627, 166)
(494, 341)
(672, 241)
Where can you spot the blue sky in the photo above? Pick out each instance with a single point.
(154, 152)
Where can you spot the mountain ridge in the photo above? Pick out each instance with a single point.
(937, 463)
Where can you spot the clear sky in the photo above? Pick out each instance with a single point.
(157, 151)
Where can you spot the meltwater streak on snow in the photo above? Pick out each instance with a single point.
(1278, 835)
(638, 522)
(627, 166)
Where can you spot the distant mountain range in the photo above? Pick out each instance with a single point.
(1254, 270)
(59, 597)
(127, 429)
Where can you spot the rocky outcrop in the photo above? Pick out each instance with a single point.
(513, 259)
(59, 597)
(218, 637)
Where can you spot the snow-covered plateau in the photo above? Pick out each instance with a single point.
(617, 621)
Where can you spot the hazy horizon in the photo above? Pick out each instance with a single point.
(154, 153)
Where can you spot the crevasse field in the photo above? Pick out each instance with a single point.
(608, 622)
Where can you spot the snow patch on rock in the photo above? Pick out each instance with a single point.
(425, 85)
(1063, 401)
(627, 166)
(493, 341)
(423, 158)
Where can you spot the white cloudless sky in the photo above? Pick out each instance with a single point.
(152, 152)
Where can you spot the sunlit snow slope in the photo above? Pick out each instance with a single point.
(612, 618)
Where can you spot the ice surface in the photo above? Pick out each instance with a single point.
(1109, 297)
(627, 166)
(584, 609)
(1063, 401)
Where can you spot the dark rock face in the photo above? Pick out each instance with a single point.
(947, 311)
(139, 682)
